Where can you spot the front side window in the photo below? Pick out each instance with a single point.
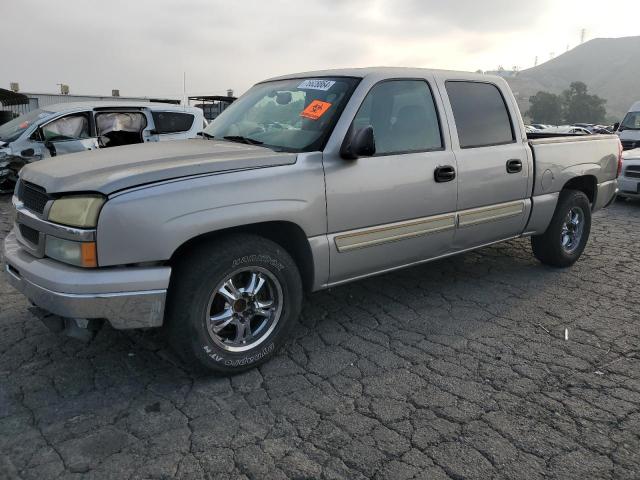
(403, 116)
(294, 115)
(172, 122)
(481, 114)
(70, 127)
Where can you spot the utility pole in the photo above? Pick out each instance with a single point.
(583, 33)
(535, 64)
(184, 89)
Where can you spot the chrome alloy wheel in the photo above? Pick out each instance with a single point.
(244, 309)
(572, 229)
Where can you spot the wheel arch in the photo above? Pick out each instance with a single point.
(288, 235)
(588, 184)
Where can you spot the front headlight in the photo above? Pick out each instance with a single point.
(77, 211)
(81, 254)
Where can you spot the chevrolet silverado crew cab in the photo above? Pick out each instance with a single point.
(307, 181)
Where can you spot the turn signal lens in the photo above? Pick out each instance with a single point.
(89, 257)
(620, 150)
(80, 254)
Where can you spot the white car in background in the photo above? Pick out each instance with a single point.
(568, 129)
(629, 179)
(77, 127)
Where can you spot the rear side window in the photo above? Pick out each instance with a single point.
(403, 116)
(172, 122)
(481, 114)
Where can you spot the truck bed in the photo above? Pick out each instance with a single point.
(559, 157)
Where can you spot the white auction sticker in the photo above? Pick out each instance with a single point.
(316, 84)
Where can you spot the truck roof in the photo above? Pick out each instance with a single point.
(390, 72)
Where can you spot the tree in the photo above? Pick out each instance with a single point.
(579, 106)
(545, 108)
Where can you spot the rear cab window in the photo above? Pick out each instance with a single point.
(172, 122)
(481, 114)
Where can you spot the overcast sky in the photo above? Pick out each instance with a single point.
(143, 47)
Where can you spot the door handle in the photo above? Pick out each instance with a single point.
(445, 173)
(514, 165)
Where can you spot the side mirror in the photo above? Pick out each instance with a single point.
(616, 126)
(358, 143)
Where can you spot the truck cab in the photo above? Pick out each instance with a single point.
(629, 128)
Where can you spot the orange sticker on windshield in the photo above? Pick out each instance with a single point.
(315, 110)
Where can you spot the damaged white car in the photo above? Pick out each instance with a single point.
(78, 127)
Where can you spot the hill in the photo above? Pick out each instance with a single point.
(609, 66)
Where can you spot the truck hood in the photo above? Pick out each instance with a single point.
(631, 155)
(109, 170)
(629, 134)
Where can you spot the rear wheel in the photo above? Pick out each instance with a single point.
(562, 244)
(231, 303)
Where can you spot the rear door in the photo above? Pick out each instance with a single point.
(70, 133)
(494, 163)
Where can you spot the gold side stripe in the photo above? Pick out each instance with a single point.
(376, 236)
(427, 225)
(488, 214)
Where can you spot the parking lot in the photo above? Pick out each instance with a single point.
(455, 369)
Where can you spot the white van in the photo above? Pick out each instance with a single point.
(629, 129)
(77, 127)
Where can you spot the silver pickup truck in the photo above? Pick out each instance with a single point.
(308, 181)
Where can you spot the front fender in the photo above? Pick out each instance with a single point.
(149, 224)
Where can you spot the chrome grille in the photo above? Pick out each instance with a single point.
(632, 171)
(33, 197)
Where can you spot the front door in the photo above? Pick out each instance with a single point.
(494, 167)
(388, 210)
(68, 134)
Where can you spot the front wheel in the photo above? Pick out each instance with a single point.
(231, 303)
(566, 237)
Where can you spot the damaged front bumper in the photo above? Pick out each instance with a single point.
(131, 297)
(8, 179)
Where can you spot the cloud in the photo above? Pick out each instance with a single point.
(143, 47)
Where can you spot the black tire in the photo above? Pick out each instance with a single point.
(548, 247)
(191, 294)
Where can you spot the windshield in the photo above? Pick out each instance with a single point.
(11, 130)
(631, 121)
(287, 115)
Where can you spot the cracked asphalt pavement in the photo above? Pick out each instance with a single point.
(451, 370)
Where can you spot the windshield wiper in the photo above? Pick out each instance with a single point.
(206, 135)
(241, 139)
